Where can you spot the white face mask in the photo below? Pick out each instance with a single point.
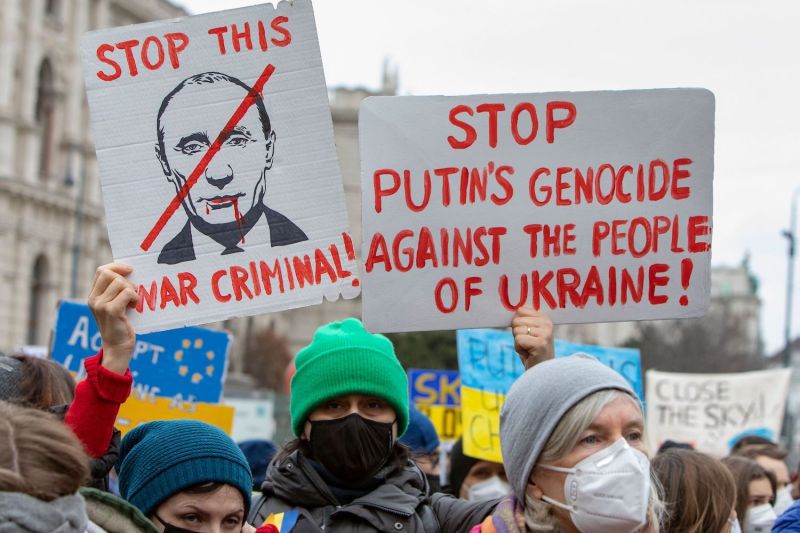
(735, 527)
(783, 500)
(608, 491)
(759, 519)
(488, 489)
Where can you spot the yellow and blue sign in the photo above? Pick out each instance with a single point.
(137, 411)
(187, 363)
(437, 395)
(489, 366)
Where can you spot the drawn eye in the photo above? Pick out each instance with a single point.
(237, 141)
(192, 148)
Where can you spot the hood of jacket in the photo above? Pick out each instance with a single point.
(22, 513)
(294, 480)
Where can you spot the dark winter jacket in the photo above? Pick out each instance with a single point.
(789, 521)
(99, 467)
(401, 503)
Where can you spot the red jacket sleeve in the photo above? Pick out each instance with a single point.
(96, 405)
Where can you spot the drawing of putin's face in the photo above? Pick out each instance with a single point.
(230, 190)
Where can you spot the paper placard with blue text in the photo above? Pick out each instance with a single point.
(185, 364)
(219, 172)
(588, 206)
(489, 366)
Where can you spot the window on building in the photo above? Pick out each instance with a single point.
(45, 111)
(37, 303)
(52, 8)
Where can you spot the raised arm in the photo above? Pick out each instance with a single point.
(108, 380)
(533, 336)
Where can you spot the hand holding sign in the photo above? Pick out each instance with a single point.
(109, 299)
(533, 336)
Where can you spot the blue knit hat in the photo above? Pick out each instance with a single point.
(160, 459)
(421, 434)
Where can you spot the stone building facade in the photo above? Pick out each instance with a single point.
(52, 231)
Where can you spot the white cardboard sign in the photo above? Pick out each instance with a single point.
(219, 172)
(590, 206)
(711, 411)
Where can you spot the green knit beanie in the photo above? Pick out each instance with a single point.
(344, 358)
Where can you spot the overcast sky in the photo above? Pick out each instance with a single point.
(747, 53)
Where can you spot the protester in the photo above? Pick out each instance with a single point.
(185, 475)
(474, 479)
(423, 441)
(749, 440)
(699, 492)
(42, 466)
(345, 471)
(46, 385)
(789, 521)
(35, 382)
(671, 444)
(571, 433)
(773, 459)
(259, 453)
(755, 494)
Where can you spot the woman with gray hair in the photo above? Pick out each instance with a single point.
(571, 432)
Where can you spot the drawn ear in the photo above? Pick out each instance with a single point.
(270, 149)
(163, 160)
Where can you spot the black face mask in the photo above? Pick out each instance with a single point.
(169, 528)
(352, 448)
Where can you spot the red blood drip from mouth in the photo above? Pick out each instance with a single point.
(238, 217)
(207, 210)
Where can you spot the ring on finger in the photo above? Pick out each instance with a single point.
(528, 330)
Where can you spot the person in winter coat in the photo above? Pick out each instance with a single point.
(571, 433)
(185, 475)
(755, 494)
(46, 385)
(423, 442)
(42, 466)
(698, 490)
(789, 521)
(346, 470)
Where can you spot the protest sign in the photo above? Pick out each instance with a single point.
(589, 206)
(184, 364)
(219, 173)
(437, 395)
(254, 418)
(710, 411)
(489, 366)
(137, 410)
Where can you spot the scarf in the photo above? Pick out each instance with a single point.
(22, 513)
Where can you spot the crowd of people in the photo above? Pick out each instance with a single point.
(571, 431)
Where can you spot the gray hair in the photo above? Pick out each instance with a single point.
(540, 515)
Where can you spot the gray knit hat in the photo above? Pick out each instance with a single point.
(536, 403)
(10, 378)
